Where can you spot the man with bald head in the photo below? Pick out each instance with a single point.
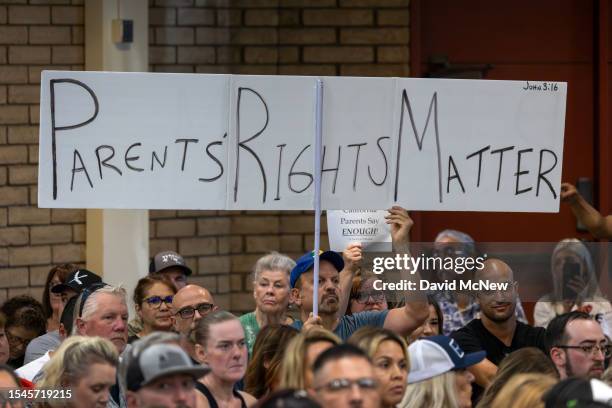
(498, 332)
(189, 305)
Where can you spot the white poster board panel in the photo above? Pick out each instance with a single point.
(478, 145)
(357, 142)
(154, 143)
(272, 128)
(140, 140)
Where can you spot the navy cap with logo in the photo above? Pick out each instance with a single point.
(167, 259)
(77, 281)
(160, 360)
(436, 355)
(307, 261)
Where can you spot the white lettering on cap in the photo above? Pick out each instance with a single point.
(168, 257)
(455, 347)
(77, 278)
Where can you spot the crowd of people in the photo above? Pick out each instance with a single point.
(455, 349)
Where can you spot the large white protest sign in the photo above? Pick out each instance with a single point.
(195, 141)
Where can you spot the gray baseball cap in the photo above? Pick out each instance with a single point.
(167, 259)
(160, 360)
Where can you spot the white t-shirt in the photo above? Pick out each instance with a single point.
(30, 370)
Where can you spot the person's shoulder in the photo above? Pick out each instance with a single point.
(474, 326)
(367, 316)
(247, 318)
(248, 398)
(530, 334)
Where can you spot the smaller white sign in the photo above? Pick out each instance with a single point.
(367, 227)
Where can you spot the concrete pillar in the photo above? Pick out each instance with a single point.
(117, 240)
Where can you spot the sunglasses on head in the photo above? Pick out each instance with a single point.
(86, 293)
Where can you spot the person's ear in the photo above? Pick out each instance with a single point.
(138, 310)
(80, 326)
(296, 296)
(132, 399)
(200, 354)
(557, 356)
(62, 331)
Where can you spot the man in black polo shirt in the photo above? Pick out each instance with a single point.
(497, 331)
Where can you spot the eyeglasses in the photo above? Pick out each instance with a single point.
(189, 311)
(15, 341)
(156, 301)
(606, 349)
(377, 297)
(344, 384)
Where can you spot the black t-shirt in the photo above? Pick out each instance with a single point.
(475, 337)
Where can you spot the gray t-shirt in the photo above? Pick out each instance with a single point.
(350, 324)
(39, 346)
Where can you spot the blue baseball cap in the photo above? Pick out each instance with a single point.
(436, 355)
(306, 262)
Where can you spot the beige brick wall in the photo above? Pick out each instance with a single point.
(292, 37)
(34, 35)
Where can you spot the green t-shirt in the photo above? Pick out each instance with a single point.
(251, 329)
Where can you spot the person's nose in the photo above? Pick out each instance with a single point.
(180, 394)
(120, 324)
(196, 315)
(355, 396)
(396, 372)
(598, 354)
(427, 329)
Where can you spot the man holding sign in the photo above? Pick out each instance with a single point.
(402, 320)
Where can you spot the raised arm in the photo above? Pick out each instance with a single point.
(352, 262)
(597, 224)
(404, 320)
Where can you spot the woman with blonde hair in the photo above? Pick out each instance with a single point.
(86, 366)
(524, 391)
(300, 355)
(438, 377)
(389, 356)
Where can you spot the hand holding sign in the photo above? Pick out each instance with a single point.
(352, 257)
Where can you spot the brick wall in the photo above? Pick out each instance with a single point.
(287, 37)
(34, 35)
(291, 37)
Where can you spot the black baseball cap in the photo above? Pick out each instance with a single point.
(77, 281)
(168, 259)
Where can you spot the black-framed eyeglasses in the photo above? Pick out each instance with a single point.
(606, 349)
(362, 297)
(86, 293)
(344, 384)
(156, 301)
(189, 311)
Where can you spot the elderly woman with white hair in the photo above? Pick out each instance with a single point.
(271, 291)
(575, 287)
